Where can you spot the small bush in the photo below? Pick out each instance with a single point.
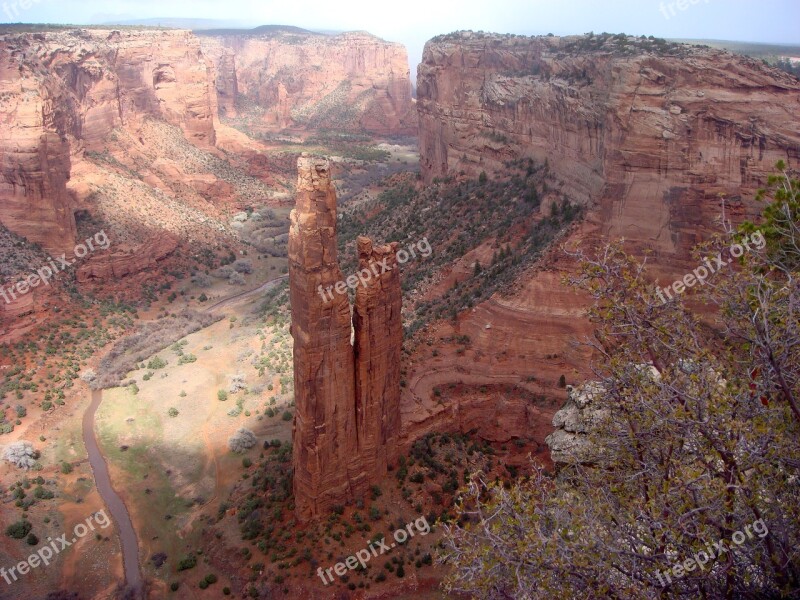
(187, 562)
(173, 412)
(66, 468)
(243, 266)
(287, 416)
(186, 359)
(19, 530)
(156, 363)
(242, 440)
(222, 395)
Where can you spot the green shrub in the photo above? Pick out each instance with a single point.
(187, 562)
(173, 412)
(222, 395)
(42, 493)
(19, 530)
(287, 416)
(32, 539)
(66, 468)
(156, 363)
(186, 359)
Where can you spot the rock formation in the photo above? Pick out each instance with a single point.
(570, 442)
(649, 133)
(64, 92)
(347, 397)
(352, 81)
(646, 134)
(378, 327)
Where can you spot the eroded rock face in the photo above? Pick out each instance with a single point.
(63, 92)
(378, 327)
(647, 133)
(352, 81)
(347, 397)
(120, 262)
(645, 136)
(570, 442)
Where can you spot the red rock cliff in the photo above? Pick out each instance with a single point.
(353, 81)
(347, 398)
(649, 133)
(644, 133)
(61, 92)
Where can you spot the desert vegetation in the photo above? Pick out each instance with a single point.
(695, 447)
(149, 337)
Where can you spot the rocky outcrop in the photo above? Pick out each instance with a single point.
(583, 411)
(648, 133)
(347, 397)
(64, 92)
(126, 261)
(303, 80)
(378, 325)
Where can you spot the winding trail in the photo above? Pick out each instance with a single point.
(117, 508)
(244, 295)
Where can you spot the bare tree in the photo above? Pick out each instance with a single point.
(697, 447)
(242, 441)
(21, 454)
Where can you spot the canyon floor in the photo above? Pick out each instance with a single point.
(164, 430)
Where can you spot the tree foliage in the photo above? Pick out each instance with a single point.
(700, 443)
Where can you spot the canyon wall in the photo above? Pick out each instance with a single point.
(646, 132)
(63, 92)
(303, 80)
(347, 397)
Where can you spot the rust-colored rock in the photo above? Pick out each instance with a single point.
(378, 327)
(64, 92)
(119, 262)
(304, 80)
(347, 416)
(647, 133)
(646, 136)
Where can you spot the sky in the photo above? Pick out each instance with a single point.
(413, 22)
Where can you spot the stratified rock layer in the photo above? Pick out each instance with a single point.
(64, 92)
(347, 398)
(647, 132)
(304, 80)
(378, 341)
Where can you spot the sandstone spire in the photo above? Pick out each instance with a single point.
(347, 397)
(378, 342)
